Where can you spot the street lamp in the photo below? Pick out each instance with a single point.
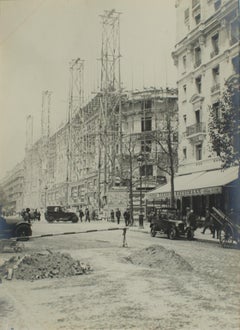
(140, 160)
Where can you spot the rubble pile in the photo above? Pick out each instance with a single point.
(39, 266)
(157, 256)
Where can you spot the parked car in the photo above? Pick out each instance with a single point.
(58, 213)
(14, 227)
(168, 221)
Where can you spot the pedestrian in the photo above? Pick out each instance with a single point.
(81, 214)
(112, 215)
(87, 215)
(191, 219)
(93, 214)
(207, 223)
(27, 216)
(118, 216)
(126, 216)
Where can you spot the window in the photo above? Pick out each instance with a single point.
(215, 42)
(146, 104)
(215, 73)
(185, 153)
(146, 124)
(184, 63)
(197, 116)
(234, 31)
(184, 92)
(217, 4)
(146, 146)
(197, 19)
(197, 53)
(199, 152)
(198, 82)
(185, 119)
(146, 170)
(236, 64)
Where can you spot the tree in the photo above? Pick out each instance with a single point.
(166, 138)
(224, 126)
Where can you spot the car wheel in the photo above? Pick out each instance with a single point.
(172, 233)
(50, 219)
(153, 232)
(74, 219)
(22, 231)
(190, 234)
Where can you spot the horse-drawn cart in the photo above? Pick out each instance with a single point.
(229, 230)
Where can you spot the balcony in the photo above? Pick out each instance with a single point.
(214, 52)
(215, 88)
(197, 64)
(198, 128)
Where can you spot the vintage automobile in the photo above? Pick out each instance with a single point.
(14, 227)
(168, 221)
(57, 213)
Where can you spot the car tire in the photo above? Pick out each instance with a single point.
(23, 230)
(74, 219)
(190, 234)
(172, 233)
(153, 232)
(50, 219)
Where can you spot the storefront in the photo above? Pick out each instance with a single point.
(202, 190)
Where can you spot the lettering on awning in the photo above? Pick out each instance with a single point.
(193, 192)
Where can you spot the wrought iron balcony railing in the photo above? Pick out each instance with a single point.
(195, 129)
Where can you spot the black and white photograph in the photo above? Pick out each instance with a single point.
(119, 164)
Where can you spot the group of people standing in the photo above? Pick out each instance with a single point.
(117, 214)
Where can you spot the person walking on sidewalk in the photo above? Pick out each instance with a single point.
(87, 215)
(112, 215)
(81, 214)
(118, 216)
(208, 222)
(126, 216)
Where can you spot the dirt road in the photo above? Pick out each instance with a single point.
(136, 287)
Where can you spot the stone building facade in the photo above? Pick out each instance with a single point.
(207, 57)
(13, 187)
(67, 168)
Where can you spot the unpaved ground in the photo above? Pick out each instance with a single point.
(175, 285)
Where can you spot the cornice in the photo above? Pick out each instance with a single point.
(199, 33)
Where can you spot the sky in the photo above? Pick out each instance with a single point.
(39, 38)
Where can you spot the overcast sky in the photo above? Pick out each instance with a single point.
(38, 38)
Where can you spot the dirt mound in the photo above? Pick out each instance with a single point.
(156, 256)
(38, 266)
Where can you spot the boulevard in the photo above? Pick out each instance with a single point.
(119, 293)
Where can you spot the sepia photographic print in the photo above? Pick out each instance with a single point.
(119, 165)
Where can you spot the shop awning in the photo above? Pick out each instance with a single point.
(200, 183)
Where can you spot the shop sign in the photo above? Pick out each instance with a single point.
(193, 192)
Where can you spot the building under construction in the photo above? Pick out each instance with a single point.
(92, 160)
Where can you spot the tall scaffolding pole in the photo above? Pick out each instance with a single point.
(110, 126)
(75, 120)
(44, 149)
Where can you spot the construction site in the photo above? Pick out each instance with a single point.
(93, 159)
